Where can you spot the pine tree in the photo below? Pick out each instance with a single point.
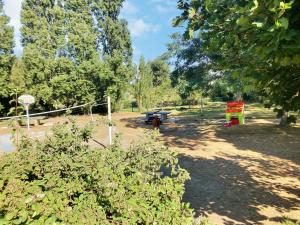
(6, 57)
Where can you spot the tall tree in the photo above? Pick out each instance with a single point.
(192, 74)
(163, 93)
(75, 51)
(144, 86)
(160, 70)
(59, 40)
(6, 58)
(255, 39)
(115, 43)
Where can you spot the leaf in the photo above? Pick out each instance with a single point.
(258, 24)
(255, 6)
(192, 13)
(287, 5)
(242, 21)
(178, 21)
(9, 216)
(284, 22)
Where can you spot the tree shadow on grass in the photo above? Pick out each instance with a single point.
(222, 186)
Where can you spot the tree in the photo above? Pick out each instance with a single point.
(163, 93)
(116, 44)
(59, 40)
(6, 58)
(17, 87)
(72, 44)
(160, 70)
(255, 40)
(144, 86)
(192, 74)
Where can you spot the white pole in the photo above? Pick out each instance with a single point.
(109, 119)
(27, 115)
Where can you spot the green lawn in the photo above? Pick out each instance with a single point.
(216, 110)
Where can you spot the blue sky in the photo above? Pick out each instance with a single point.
(149, 24)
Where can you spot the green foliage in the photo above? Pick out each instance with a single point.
(256, 40)
(191, 72)
(143, 87)
(62, 180)
(202, 221)
(75, 51)
(152, 86)
(115, 41)
(6, 57)
(160, 71)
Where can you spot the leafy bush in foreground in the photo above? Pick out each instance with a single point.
(62, 180)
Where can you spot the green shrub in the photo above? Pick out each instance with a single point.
(62, 180)
(202, 221)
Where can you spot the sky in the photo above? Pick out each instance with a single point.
(149, 22)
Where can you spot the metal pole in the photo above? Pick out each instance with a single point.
(91, 112)
(27, 115)
(109, 119)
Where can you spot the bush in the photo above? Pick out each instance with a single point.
(62, 180)
(202, 221)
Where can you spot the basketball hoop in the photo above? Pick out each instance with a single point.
(26, 100)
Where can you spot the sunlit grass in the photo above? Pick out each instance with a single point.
(216, 110)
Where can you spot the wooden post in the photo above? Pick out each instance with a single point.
(109, 120)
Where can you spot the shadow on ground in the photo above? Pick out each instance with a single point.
(267, 139)
(237, 172)
(222, 186)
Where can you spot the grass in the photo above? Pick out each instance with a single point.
(216, 110)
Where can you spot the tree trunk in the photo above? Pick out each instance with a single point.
(140, 105)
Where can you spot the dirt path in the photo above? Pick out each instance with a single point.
(239, 175)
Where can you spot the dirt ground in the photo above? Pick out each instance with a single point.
(239, 175)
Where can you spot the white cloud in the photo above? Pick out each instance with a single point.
(165, 6)
(139, 27)
(129, 8)
(170, 3)
(164, 9)
(12, 8)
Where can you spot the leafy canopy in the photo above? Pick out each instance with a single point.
(256, 40)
